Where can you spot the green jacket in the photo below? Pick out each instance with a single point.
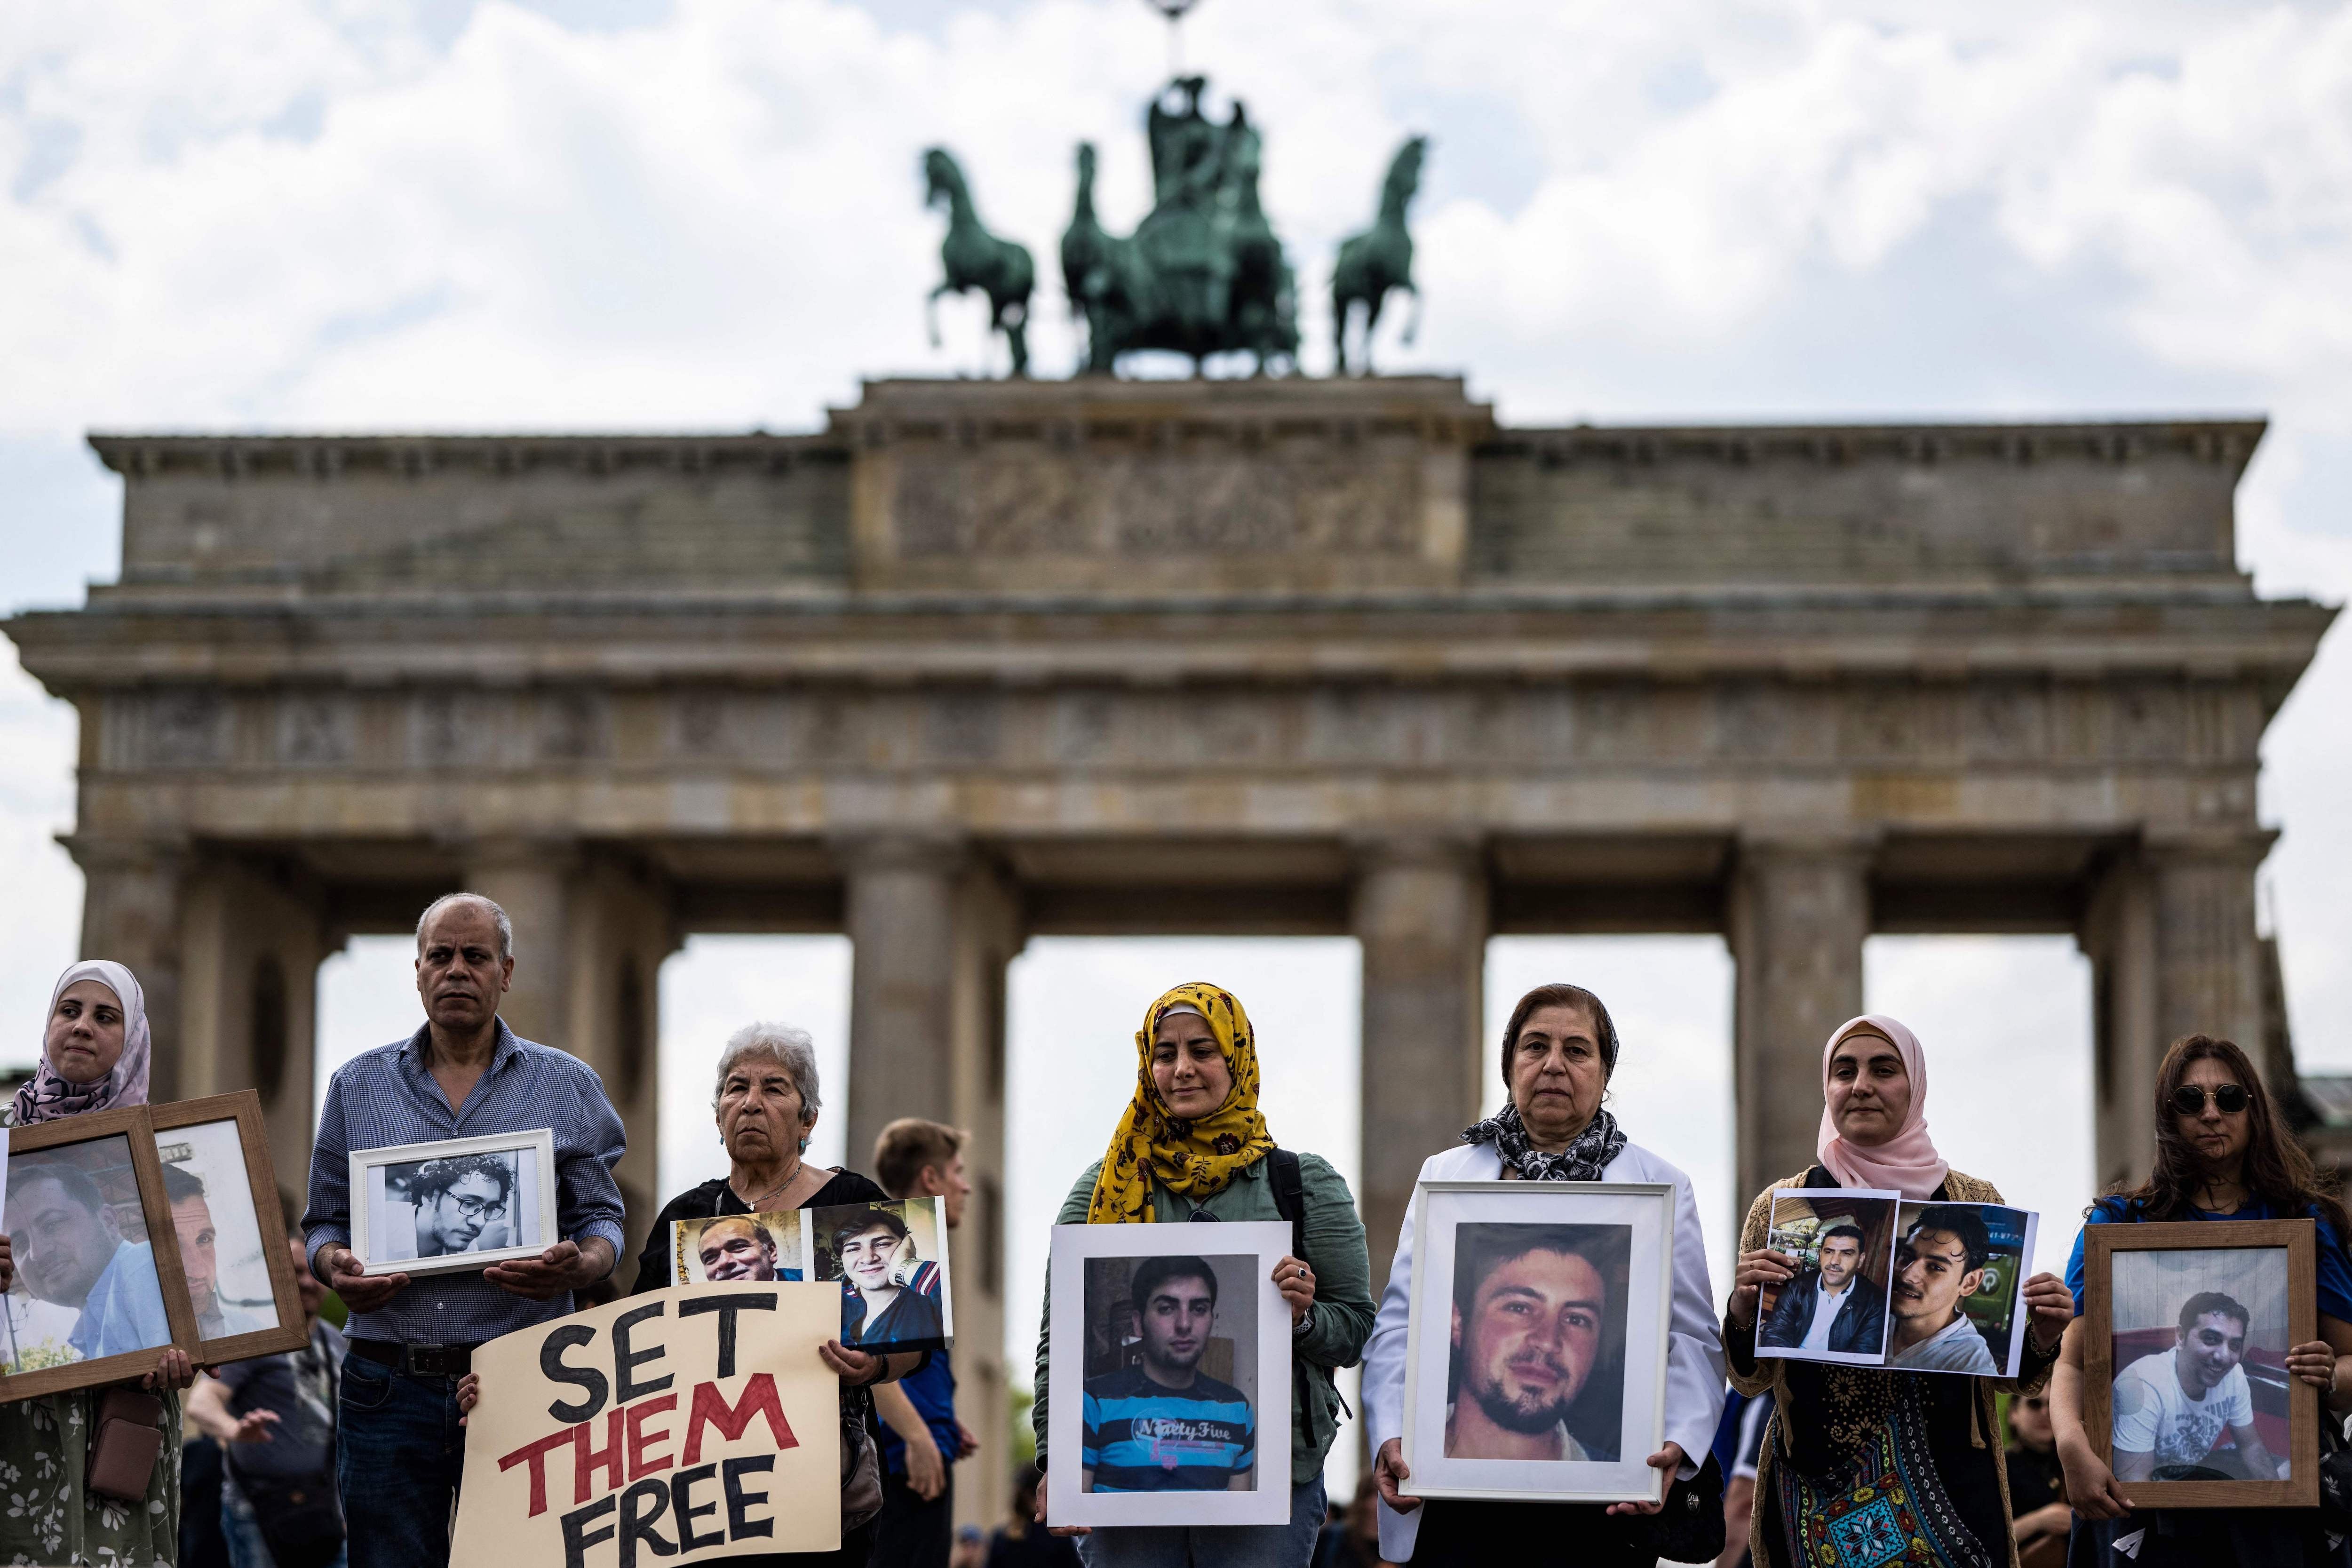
(1335, 1334)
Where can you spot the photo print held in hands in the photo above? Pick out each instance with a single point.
(891, 1260)
(1842, 1242)
(732, 1247)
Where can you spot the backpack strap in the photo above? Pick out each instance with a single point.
(1289, 1197)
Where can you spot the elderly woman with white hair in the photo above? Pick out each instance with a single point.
(766, 1102)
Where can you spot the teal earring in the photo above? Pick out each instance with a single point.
(803, 1145)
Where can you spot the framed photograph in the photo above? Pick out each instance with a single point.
(223, 1191)
(1169, 1373)
(94, 1297)
(2185, 1386)
(1535, 1340)
(891, 1260)
(1835, 1309)
(464, 1203)
(771, 1246)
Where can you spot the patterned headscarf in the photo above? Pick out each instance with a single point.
(49, 1096)
(1588, 1154)
(1195, 1158)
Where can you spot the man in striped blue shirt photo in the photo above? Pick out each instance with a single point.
(1162, 1424)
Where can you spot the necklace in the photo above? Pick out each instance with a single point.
(753, 1204)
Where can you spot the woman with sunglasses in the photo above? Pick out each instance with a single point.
(2221, 1154)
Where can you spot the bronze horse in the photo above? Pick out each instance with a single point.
(975, 259)
(1378, 259)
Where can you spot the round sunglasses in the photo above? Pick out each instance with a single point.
(2228, 1098)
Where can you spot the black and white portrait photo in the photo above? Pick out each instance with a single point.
(463, 1204)
(1539, 1331)
(1536, 1339)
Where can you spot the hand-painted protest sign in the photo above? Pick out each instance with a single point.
(690, 1424)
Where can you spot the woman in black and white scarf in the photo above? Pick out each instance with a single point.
(1559, 1052)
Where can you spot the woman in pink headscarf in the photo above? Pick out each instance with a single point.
(1924, 1443)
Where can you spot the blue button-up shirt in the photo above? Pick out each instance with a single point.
(388, 1097)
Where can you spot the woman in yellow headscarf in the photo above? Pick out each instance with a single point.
(1192, 1145)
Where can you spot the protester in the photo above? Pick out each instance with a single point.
(463, 1073)
(2221, 1154)
(94, 1056)
(765, 1102)
(274, 1417)
(1560, 1049)
(1192, 1144)
(921, 1437)
(1022, 1541)
(2037, 1484)
(1836, 1430)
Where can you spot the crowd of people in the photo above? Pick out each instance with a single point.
(350, 1450)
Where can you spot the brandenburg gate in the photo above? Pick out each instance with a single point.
(981, 660)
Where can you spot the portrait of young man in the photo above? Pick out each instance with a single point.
(74, 1255)
(738, 1247)
(1831, 1306)
(1163, 1424)
(463, 1204)
(2172, 1407)
(1537, 1315)
(1939, 1263)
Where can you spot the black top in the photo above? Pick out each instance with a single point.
(2036, 1480)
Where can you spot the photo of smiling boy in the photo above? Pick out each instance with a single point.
(1538, 1321)
(1162, 1424)
(2172, 1407)
(1939, 1263)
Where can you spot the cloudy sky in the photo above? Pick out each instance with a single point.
(365, 214)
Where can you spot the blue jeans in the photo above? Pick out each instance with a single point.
(1288, 1545)
(399, 1455)
(247, 1549)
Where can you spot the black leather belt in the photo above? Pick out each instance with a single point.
(417, 1361)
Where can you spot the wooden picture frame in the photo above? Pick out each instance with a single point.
(130, 1123)
(2103, 1244)
(243, 1109)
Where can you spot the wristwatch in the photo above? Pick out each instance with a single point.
(1305, 1322)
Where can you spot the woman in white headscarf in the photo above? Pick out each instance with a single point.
(94, 1056)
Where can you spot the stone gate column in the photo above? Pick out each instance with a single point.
(1800, 911)
(131, 914)
(2209, 963)
(1420, 916)
(2119, 938)
(253, 939)
(932, 929)
(618, 929)
(531, 880)
(901, 911)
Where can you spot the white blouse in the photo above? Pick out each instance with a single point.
(1695, 1368)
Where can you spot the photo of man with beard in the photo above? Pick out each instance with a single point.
(1163, 1424)
(1539, 1342)
(2171, 1407)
